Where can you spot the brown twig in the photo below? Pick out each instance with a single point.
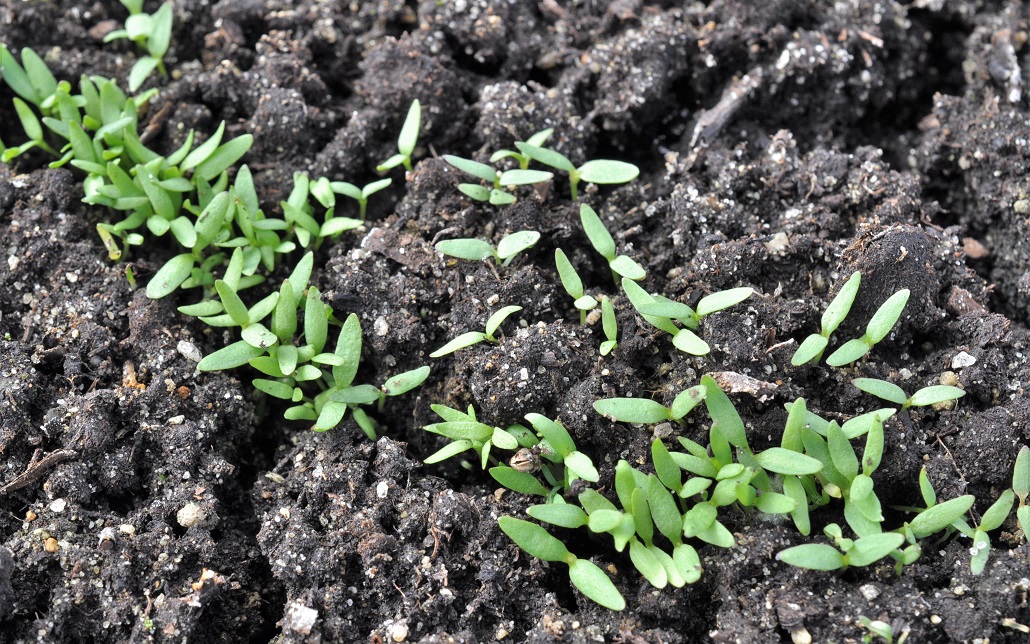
(36, 469)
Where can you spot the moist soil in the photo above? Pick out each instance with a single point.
(782, 146)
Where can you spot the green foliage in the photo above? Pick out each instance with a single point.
(602, 241)
(406, 141)
(600, 171)
(498, 180)
(876, 330)
(471, 338)
(152, 33)
(1021, 487)
(477, 249)
(925, 397)
(361, 195)
(664, 314)
(811, 350)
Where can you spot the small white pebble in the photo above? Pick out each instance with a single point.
(190, 515)
(382, 489)
(189, 351)
(962, 359)
(380, 326)
(58, 505)
(399, 632)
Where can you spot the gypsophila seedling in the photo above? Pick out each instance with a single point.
(498, 180)
(573, 285)
(152, 32)
(1021, 487)
(360, 195)
(876, 330)
(664, 313)
(925, 397)
(538, 139)
(475, 337)
(610, 326)
(406, 141)
(477, 249)
(811, 350)
(602, 241)
(882, 630)
(600, 171)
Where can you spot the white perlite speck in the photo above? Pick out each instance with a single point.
(189, 351)
(962, 359)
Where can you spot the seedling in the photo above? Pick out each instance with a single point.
(646, 411)
(152, 32)
(475, 337)
(925, 397)
(586, 576)
(406, 141)
(610, 326)
(537, 139)
(811, 350)
(876, 330)
(360, 195)
(880, 629)
(498, 180)
(1021, 487)
(663, 313)
(573, 285)
(602, 241)
(477, 249)
(600, 171)
(863, 551)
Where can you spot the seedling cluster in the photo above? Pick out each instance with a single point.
(664, 509)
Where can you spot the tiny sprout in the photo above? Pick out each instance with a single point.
(574, 285)
(477, 249)
(925, 397)
(360, 195)
(601, 240)
(610, 325)
(882, 630)
(877, 329)
(475, 337)
(537, 139)
(1021, 487)
(507, 179)
(813, 346)
(406, 141)
(152, 32)
(600, 171)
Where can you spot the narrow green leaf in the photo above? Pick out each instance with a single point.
(841, 452)
(287, 358)
(474, 168)
(785, 461)
(881, 389)
(204, 150)
(28, 119)
(235, 355)
(604, 171)
(498, 318)
(402, 383)
(331, 415)
(926, 489)
(517, 242)
(723, 413)
(471, 249)
(775, 503)
(348, 347)
(526, 483)
(449, 450)
(940, 516)
(581, 465)
(998, 512)
(567, 273)
(564, 515)
(633, 410)
(232, 303)
(627, 268)
(687, 341)
(849, 352)
(141, 69)
(723, 300)
(665, 467)
(546, 156)
(170, 276)
(464, 340)
(886, 316)
(554, 433)
(1021, 474)
(409, 131)
(16, 78)
(519, 177)
(814, 556)
(936, 394)
(595, 585)
(597, 233)
(873, 452)
(870, 549)
(647, 564)
(839, 308)
(224, 157)
(161, 31)
(534, 539)
(316, 320)
(257, 335)
(273, 388)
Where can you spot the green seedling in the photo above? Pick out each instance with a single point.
(925, 397)
(586, 576)
(600, 171)
(494, 195)
(467, 433)
(151, 32)
(610, 326)
(863, 551)
(360, 195)
(573, 285)
(406, 141)
(663, 313)
(811, 350)
(1021, 487)
(475, 337)
(882, 630)
(645, 411)
(602, 241)
(538, 139)
(477, 249)
(876, 330)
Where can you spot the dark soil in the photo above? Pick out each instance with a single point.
(782, 145)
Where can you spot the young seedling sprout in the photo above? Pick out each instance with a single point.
(475, 337)
(600, 171)
(325, 191)
(610, 326)
(925, 397)
(406, 140)
(537, 139)
(152, 32)
(603, 243)
(876, 330)
(506, 179)
(477, 249)
(573, 285)
(811, 350)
